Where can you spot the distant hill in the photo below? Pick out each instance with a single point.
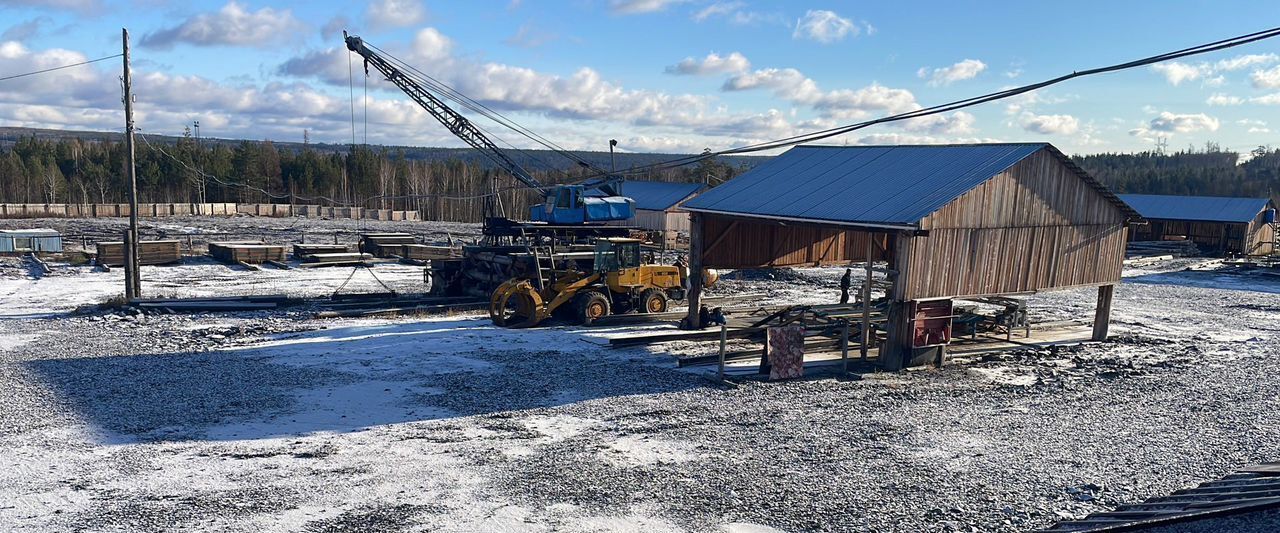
(531, 159)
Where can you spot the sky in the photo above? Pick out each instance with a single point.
(657, 75)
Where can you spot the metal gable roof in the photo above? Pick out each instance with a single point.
(655, 195)
(1202, 208)
(875, 185)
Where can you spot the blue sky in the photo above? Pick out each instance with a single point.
(658, 75)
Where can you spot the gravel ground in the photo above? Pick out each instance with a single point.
(278, 422)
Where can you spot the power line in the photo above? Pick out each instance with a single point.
(961, 104)
(6, 78)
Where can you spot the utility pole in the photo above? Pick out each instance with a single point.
(613, 167)
(132, 278)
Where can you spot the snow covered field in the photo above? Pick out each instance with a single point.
(274, 421)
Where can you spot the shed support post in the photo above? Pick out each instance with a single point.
(1102, 317)
(895, 352)
(695, 270)
(866, 300)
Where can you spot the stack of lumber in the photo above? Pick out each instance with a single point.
(149, 253)
(334, 259)
(426, 252)
(1151, 250)
(385, 244)
(251, 252)
(301, 251)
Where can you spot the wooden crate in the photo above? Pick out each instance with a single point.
(252, 252)
(111, 253)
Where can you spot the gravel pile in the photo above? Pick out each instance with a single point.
(134, 422)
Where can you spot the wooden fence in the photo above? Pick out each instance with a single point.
(174, 210)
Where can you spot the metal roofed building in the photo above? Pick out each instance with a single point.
(657, 206)
(950, 220)
(1241, 226)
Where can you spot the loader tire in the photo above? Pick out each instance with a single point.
(592, 305)
(653, 301)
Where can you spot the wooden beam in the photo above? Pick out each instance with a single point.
(1102, 317)
(866, 303)
(697, 226)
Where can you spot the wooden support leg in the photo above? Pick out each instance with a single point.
(896, 350)
(695, 271)
(1102, 318)
(844, 348)
(724, 335)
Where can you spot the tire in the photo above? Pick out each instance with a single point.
(592, 305)
(653, 301)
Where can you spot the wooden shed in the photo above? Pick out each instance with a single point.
(1236, 226)
(657, 206)
(950, 221)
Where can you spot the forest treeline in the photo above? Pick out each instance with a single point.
(74, 170)
(1207, 171)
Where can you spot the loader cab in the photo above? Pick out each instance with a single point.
(613, 255)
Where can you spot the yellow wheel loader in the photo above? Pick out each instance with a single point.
(618, 283)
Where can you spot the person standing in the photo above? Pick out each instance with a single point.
(846, 281)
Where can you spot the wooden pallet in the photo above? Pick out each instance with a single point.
(1252, 489)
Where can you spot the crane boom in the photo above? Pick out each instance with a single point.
(452, 120)
(564, 204)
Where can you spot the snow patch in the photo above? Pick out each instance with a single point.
(639, 450)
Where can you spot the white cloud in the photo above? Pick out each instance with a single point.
(1254, 126)
(964, 70)
(717, 9)
(232, 25)
(635, 7)
(23, 31)
(1176, 73)
(1049, 124)
(1183, 123)
(734, 13)
(1246, 61)
(825, 27)
(395, 13)
(1224, 100)
(712, 64)
(1266, 79)
(530, 36)
(334, 28)
(1268, 99)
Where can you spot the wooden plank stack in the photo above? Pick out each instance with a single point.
(335, 259)
(385, 244)
(426, 252)
(251, 252)
(149, 252)
(301, 251)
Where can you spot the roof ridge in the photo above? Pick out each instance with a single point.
(947, 145)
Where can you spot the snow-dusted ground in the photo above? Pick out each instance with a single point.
(279, 422)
